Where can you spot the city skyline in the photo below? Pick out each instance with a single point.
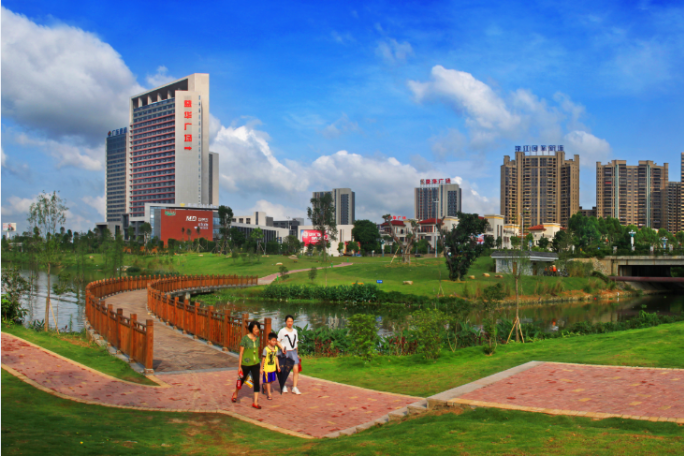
(368, 97)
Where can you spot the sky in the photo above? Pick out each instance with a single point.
(309, 96)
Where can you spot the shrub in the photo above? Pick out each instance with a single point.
(428, 325)
(364, 336)
(312, 273)
(283, 272)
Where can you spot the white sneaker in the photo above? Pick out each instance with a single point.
(295, 390)
(284, 389)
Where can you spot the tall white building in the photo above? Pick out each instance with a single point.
(437, 198)
(169, 158)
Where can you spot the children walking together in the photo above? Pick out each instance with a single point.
(269, 364)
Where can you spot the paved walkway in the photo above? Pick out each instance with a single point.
(582, 390)
(322, 408)
(173, 351)
(270, 278)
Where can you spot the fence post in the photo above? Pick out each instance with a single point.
(119, 317)
(149, 345)
(210, 322)
(175, 306)
(194, 331)
(267, 331)
(131, 333)
(226, 330)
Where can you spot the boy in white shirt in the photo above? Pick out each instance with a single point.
(287, 341)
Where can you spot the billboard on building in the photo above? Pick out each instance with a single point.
(312, 237)
(177, 223)
(9, 227)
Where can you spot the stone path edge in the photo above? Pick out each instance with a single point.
(27, 380)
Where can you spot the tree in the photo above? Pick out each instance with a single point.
(410, 237)
(46, 213)
(680, 237)
(340, 247)
(131, 234)
(647, 236)
(491, 296)
(462, 244)
(498, 242)
(543, 242)
(322, 216)
(145, 230)
(515, 241)
(585, 230)
(14, 287)
(292, 244)
(312, 273)
(663, 233)
(257, 235)
(225, 214)
(366, 233)
(560, 241)
(237, 237)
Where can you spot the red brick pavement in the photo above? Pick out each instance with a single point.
(323, 407)
(595, 391)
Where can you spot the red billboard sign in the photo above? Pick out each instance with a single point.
(312, 237)
(180, 223)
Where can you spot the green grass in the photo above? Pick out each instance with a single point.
(659, 346)
(75, 346)
(34, 422)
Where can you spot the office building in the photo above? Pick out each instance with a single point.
(635, 195)
(292, 224)
(169, 156)
(116, 174)
(344, 201)
(540, 185)
(437, 198)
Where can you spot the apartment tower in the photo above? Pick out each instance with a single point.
(437, 198)
(540, 185)
(169, 159)
(635, 195)
(116, 174)
(344, 201)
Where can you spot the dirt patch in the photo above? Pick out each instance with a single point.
(77, 342)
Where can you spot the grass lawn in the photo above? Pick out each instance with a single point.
(659, 346)
(75, 346)
(34, 422)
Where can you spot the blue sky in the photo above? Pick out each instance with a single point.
(367, 95)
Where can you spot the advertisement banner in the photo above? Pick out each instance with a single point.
(312, 237)
(9, 227)
(179, 224)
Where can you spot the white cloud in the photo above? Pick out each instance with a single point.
(18, 169)
(76, 222)
(69, 152)
(277, 211)
(161, 77)
(62, 81)
(342, 38)
(392, 51)
(492, 118)
(17, 206)
(96, 202)
(590, 148)
(340, 126)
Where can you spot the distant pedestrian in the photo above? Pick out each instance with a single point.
(270, 364)
(249, 361)
(287, 341)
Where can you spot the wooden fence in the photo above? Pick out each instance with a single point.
(218, 327)
(136, 339)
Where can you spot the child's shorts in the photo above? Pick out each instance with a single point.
(269, 377)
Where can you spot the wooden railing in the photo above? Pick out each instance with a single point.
(136, 339)
(218, 327)
(124, 333)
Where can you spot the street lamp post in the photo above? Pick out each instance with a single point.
(664, 239)
(632, 233)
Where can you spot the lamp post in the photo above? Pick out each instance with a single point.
(632, 233)
(664, 239)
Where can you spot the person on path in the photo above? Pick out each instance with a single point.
(287, 341)
(250, 361)
(269, 364)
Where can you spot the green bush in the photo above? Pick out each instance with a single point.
(428, 325)
(363, 335)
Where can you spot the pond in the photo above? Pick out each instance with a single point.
(70, 309)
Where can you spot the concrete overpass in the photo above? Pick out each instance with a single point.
(641, 265)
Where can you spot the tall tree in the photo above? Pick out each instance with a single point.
(322, 216)
(225, 214)
(257, 235)
(366, 233)
(462, 244)
(406, 244)
(146, 231)
(46, 213)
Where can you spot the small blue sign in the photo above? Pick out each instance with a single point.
(379, 281)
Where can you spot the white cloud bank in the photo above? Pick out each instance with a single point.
(492, 119)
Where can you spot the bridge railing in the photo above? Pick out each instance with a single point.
(221, 328)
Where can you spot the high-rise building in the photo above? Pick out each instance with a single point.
(540, 185)
(344, 201)
(169, 158)
(674, 207)
(437, 198)
(116, 174)
(635, 195)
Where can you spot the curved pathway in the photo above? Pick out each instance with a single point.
(270, 278)
(323, 408)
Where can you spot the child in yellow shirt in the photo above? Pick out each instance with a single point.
(270, 364)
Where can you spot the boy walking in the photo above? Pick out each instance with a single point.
(270, 364)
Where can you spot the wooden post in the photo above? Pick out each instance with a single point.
(149, 345)
(131, 355)
(194, 331)
(119, 316)
(226, 330)
(210, 322)
(267, 331)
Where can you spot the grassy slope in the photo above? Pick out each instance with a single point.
(653, 347)
(34, 422)
(75, 346)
